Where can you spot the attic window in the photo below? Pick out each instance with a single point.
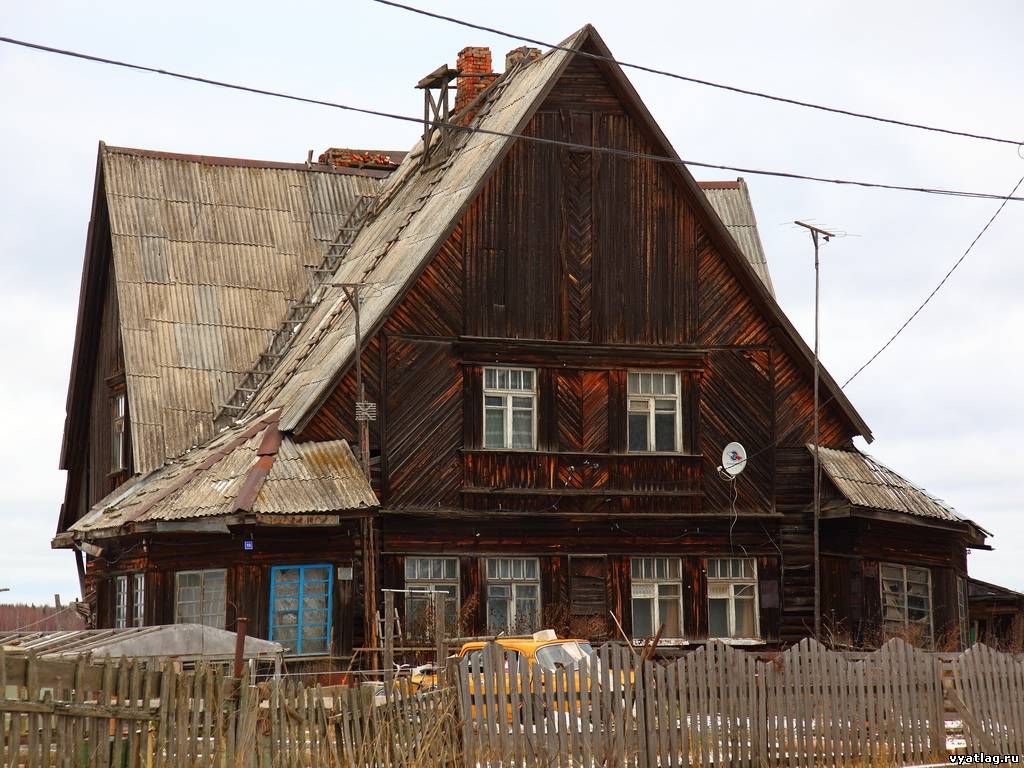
(510, 408)
(118, 431)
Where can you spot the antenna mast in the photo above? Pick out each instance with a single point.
(816, 234)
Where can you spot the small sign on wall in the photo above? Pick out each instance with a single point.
(344, 573)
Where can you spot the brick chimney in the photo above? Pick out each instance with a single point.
(357, 158)
(475, 64)
(522, 53)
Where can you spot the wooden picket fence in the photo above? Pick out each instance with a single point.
(719, 706)
(77, 714)
(715, 706)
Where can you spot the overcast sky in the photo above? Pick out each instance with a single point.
(944, 401)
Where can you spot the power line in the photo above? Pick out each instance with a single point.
(518, 136)
(938, 287)
(798, 423)
(699, 81)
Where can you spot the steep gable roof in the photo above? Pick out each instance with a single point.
(206, 253)
(418, 209)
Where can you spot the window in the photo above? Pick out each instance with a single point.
(732, 597)
(510, 408)
(118, 433)
(963, 611)
(907, 600)
(513, 595)
(138, 599)
(120, 601)
(657, 592)
(300, 607)
(199, 598)
(430, 574)
(653, 411)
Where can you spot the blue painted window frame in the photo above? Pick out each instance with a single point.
(274, 571)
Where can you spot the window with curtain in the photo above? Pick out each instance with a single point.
(657, 593)
(732, 597)
(513, 595)
(653, 411)
(423, 577)
(300, 608)
(200, 598)
(510, 408)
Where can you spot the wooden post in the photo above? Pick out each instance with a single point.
(389, 641)
(440, 651)
(241, 627)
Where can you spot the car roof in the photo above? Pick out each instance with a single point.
(520, 644)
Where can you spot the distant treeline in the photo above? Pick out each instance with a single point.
(38, 618)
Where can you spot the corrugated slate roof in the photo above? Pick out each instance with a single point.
(248, 469)
(866, 482)
(207, 252)
(415, 211)
(731, 201)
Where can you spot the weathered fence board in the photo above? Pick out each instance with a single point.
(718, 706)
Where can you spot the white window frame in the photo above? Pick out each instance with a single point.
(420, 578)
(647, 587)
(119, 431)
(904, 580)
(121, 601)
(203, 573)
(651, 399)
(494, 577)
(506, 394)
(724, 588)
(138, 599)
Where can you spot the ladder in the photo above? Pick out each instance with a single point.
(298, 313)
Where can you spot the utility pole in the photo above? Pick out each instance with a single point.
(365, 412)
(816, 234)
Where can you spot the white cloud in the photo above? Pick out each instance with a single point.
(940, 399)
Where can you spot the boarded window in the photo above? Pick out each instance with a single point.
(587, 596)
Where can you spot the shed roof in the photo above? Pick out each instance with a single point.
(183, 642)
(249, 472)
(865, 482)
(207, 253)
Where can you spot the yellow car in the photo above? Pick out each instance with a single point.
(541, 651)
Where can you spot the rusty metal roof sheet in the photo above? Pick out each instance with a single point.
(731, 201)
(207, 252)
(866, 482)
(413, 215)
(248, 469)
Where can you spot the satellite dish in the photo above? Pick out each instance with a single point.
(734, 459)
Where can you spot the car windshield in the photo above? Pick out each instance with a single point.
(559, 655)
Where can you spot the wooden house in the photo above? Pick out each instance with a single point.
(555, 343)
